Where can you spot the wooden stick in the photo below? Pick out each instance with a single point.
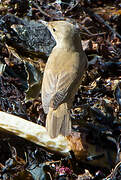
(62, 145)
(33, 132)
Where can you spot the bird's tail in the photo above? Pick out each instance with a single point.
(58, 121)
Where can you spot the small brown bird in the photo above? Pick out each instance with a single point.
(62, 77)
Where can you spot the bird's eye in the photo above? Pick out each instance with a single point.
(54, 29)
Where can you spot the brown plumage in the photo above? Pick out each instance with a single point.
(62, 77)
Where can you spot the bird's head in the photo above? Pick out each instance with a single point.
(61, 29)
(64, 32)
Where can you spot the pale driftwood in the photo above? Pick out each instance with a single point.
(33, 132)
(63, 145)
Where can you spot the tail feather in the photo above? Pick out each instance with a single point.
(58, 121)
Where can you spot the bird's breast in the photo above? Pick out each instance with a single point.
(63, 60)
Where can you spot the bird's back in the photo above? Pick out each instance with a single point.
(63, 69)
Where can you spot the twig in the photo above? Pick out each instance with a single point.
(101, 20)
(40, 9)
(89, 33)
(113, 173)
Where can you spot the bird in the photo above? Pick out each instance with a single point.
(62, 76)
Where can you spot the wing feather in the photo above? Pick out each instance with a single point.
(61, 78)
(48, 89)
(63, 88)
